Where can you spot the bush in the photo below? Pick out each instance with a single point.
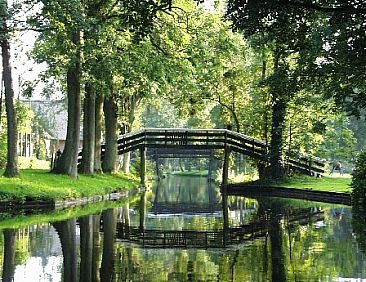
(3, 149)
(359, 181)
(33, 163)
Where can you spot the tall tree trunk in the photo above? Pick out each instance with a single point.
(279, 107)
(110, 154)
(87, 164)
(67, 163)
(12, 134)
(98, 132)
(67, 232)
(9, 255)
(1, 99)
(277, 168)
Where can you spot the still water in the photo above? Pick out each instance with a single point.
(179, 231)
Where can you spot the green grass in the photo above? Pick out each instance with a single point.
(333, 183)
(36, 184)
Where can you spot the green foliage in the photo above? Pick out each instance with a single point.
(329, 36)
(357, 125)
(359, 181)
(359, 200)
(159, 113)
(40, 149)
(24, 117)
(339, 141)
(33, 163)
(314, 128)
(3, 149)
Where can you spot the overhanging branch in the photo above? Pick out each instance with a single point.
(342, 9)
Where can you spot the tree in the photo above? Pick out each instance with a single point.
(283, 30)
(328, 38)
(62, 24)
(359, 183)
(59, 44)
(338, 60)
(11, 169)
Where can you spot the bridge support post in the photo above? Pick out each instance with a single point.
(225, 167)
(143, 165)
(210, 169)
(225, 213)
(142, 208)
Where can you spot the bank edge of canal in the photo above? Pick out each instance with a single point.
(123, 186)
(63, 204)
(287, 192)
(327, 189)
(41, 190)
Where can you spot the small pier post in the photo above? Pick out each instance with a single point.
(143, 165)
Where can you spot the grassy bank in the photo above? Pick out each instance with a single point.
(36, 184)
(327, 183)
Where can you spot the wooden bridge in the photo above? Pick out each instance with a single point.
(173, 141)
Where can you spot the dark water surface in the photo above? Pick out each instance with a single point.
(180, 232)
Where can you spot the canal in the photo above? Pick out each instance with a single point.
(179, 231)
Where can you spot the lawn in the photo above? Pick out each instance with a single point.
(333, 183)
(37, 184)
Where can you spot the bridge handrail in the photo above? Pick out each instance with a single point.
(209, 139)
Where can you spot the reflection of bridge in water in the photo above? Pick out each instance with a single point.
(178, 208)
(153, 238)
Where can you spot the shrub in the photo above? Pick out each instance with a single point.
(359, 181)
(3, 149)
(33, 163)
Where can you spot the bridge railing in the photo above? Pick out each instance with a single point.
(204, 139)
(197, 138)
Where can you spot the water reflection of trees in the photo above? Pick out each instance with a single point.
(291, 250)
(67, 232)
(359, 225)
(9, 255)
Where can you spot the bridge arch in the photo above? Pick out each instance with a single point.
(174, 140)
